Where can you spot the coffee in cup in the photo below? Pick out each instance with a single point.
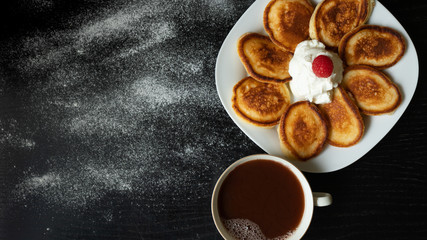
(263, 197)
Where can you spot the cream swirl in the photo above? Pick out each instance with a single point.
(305, 85)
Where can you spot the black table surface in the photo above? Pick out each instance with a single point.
(111, 127)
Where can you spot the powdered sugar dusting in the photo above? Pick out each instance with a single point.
(115, 24)
(119, 99)
(12, 136)
(158, 94)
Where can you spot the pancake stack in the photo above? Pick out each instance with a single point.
(263, 99)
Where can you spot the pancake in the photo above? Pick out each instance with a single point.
(373, 91)
(263, 60)
(287, 21)
(376, 46)
(258, 103)
(345, 124)
(302, 131)
(332, 19)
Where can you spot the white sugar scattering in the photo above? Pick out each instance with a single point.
(11, 135)
(154, 92)
(162, 31)
(158, 32)
(46, 181)
(117, 23)
(220, 6)
(81, 181)
(36, 6)
(121, 98)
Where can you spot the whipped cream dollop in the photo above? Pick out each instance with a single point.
(305, 85)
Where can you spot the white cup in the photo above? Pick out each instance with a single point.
(310, 198)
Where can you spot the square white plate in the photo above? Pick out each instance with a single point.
(229, 70)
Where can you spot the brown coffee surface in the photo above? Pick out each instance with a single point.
(264, 192)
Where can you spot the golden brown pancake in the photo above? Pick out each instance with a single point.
(376, 46)
(302, 131)
(286, 22)
(263, 60)
(332, 19)
(258, 103)
(345, 125)
(372, 90)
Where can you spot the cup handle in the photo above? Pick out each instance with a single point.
(322, 199)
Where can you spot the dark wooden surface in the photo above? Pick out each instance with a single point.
(111, 128)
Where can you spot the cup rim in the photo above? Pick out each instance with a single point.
(308, 196)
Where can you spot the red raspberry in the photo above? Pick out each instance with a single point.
(322, 66)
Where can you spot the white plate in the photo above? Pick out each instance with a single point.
(229, 70)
